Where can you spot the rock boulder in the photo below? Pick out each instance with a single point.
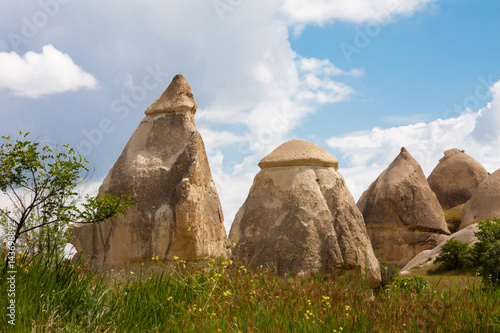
(455, 178)
(485, 202)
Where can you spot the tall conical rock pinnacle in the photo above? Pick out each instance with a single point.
(165, 170)
(402, 214)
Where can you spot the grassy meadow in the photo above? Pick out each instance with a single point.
(60, 296)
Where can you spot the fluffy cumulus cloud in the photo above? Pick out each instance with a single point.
(37, 74)
(217, 139)
(252, 89)
(281, 108)
(369, 153)
(358, 11)
(317, 85)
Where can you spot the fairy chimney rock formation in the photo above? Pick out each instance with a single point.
(164, 167)
(455, 178)
(299, 217)
(402, 214)
(485, 202)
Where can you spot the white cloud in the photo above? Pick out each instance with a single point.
(324, 67)
(37, 74)
(4, 201)
(316, 85)
(233, 185)
(358, 11)
(369, 153)
(215, 139)
(487, 127)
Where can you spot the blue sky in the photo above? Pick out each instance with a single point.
(358, 78)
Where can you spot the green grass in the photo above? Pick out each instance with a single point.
(453, 219)
(58, 296)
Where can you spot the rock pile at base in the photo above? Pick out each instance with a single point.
(300, 217)
(403, 216)
(455, 178)
(485, 202)
(176, 209)
(425, 259)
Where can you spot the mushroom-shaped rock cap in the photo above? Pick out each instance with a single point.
(450, 152)
(177, 98)
(298, 152)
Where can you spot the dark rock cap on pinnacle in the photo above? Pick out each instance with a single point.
(177, 98)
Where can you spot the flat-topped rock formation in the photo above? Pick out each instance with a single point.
(455, 178)
(300, 217)
(299, 152)
(176, 209)
(402, 214)
(485, 202)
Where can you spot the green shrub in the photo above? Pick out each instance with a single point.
(454, 255)
(490, 266)
(388, 272)
(40, 183)
(488, 233)
(415, 283)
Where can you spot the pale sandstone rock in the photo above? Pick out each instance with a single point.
(455, 178)
(176, 208)
(300, 218)
(485, 201)
(402, 214)
(425, 259)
